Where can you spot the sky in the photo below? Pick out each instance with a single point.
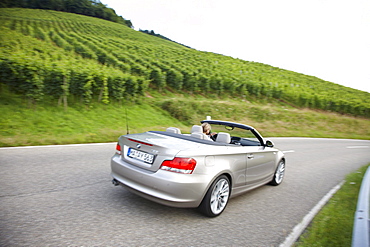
(329, 39)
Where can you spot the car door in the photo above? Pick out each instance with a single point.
(259, 159)
(260, 165)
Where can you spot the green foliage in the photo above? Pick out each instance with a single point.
(271, 119)
(51, 124)
(333, 225)
(174, 79)
(68, 56)
(83, 7)
(158, 78)
(21, 126)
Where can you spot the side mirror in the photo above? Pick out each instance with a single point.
(269, 144)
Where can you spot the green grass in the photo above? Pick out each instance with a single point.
(51, 125)
(271, 118)
(48, 123)
(334, 223)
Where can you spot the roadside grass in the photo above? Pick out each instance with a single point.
(333, 225)
(47, 123)
(271, 118)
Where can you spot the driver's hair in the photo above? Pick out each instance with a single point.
(206, 128)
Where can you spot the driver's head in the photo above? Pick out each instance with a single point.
(206, 128)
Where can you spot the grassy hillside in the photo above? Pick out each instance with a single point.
(67, 78)
(69, 56)
(48, 124)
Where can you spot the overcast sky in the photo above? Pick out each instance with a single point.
(329, 39)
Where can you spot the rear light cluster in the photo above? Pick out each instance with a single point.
(179, 165)
(118, 149)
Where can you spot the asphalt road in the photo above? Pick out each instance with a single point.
(63, 196)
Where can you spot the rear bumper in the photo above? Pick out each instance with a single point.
(164, 187)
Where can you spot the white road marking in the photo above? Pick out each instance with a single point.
(358, 146)
(53, 146)
(288, 151)
(299, 228)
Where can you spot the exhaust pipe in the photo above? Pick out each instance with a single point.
(115, 182)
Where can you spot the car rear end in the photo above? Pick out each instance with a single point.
(151, 165)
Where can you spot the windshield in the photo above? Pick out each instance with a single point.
(239, 136)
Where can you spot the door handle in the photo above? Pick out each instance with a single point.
(250, 156)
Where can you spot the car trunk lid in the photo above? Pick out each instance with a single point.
(148, 150)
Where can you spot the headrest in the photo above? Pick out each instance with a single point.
(173, 130)
(198, 135)
(223, 137)
(196, 129)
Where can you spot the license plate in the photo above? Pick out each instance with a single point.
(140, 155)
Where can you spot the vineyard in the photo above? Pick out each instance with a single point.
(69, 57)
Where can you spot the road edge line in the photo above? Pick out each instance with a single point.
(300, 227)
(58, 145)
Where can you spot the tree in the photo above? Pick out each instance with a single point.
(92, 8)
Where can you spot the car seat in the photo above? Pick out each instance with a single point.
(223, 137)
(197, 132)
(173, 130)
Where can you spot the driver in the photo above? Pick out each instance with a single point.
(207, 131)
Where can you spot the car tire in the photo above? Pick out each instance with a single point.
(279, 174)
(217, 197)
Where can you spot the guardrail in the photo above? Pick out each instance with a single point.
(361, 228)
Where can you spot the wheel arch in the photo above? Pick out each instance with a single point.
(230, 179)
(227, 174)
(205, 206)
(279, 157)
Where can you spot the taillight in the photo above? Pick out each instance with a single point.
(118, 149)
(179, 165)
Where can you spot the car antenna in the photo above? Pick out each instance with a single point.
(128, 132)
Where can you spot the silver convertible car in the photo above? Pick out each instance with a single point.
(192, 170)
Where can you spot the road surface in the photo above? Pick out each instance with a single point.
(63, 196)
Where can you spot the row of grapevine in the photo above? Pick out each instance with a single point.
(118, 61)
(35, 75)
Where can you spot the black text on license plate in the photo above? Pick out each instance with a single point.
(140, 155)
